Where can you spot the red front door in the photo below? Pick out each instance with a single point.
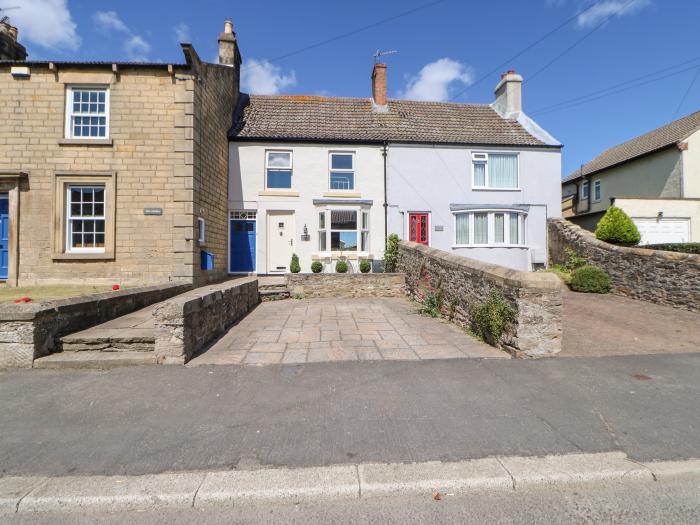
(418, 228)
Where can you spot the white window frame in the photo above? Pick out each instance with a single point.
(326, 211)
(482, 157)
(597, 191)
(68, 125)
(277, 168)
(491, 236)
(352, 170)
(585, 190)
(69, 219)
(201, 230)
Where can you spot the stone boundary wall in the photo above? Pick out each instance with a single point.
(32, 330)
(320, 285)
(536, 297)
(188, 323)
(656, 276)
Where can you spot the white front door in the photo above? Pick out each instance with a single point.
(280, 243)
(661, 231)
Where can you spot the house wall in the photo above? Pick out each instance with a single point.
(310, 180)
(669, 208)
(430, 178)
(691, 167)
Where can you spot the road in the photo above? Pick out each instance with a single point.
(676, 501)
(156, 419)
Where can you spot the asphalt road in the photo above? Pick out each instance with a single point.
(155, 419)
(676, 501)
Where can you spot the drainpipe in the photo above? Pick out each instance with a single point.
(386, 202)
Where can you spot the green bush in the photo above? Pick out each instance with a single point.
(341, 267)
(491, 317)
(365, 266)
(590, 279)
(391, 254)
(317, 266)
(682, 247)
(616, 227)
(431, 305)
(294, 266)
(573, 260)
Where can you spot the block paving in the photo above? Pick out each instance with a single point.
(321, 330)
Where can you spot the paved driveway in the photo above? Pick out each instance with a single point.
(317, 330)
(609, 325)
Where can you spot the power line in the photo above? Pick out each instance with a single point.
(525, 50)
(687, 92)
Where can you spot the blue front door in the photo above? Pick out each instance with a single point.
(4, 238)
(242, 252)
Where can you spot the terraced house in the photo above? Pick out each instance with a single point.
(329, 178)
(115, 172)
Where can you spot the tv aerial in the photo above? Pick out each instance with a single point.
(3, 9)
(379, 54)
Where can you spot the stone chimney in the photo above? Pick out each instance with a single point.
(10, 49)
(509, 95)
(228, 47)
(379, 97)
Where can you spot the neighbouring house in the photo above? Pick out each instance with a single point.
(654, 178)
(10, 48)
(329, 178)
(116, 171)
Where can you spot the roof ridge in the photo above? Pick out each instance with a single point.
(302, 97)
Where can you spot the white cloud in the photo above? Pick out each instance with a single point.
(47, 23)
(182, 32)
(260, 77)
(433, 82)
(609, 8)
(110, 20)
(137, 49)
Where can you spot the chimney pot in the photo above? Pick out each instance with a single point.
(228, 26)
(379, 90)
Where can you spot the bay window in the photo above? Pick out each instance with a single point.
(489, 228)
(343, 230)
(495, 171)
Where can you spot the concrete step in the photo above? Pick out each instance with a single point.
(97, 360)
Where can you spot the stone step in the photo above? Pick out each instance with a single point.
(97, 360)
(276, 294)
(110, 340)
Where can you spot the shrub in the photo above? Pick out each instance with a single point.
(431, 305)
(317, 266)
(590, 279)
(365, 266)
(341, 267)
(490, 318)
(617, 228)
(391, 254)
(573, 260)
(294, 266)
(683, 247)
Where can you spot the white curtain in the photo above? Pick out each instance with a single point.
(479, 174)
(503, 171)
(481, 228)
(514, 227)
(462, 224)
(499, 225)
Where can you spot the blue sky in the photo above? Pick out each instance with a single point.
(442, 49)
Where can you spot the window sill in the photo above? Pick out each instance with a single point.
(86, 142)
(87, 256)
(336, 255)
(278, 193)
(349, 194)
(497, 189)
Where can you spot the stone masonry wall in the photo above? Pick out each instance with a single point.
(188, 323)
(656, 276)
(315, 285)
(535, 297)
(32, 330)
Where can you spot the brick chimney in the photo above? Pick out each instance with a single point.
(228, 47)
(379, 97)
(10, 49)
(509, 95)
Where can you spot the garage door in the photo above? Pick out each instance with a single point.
(658, 231)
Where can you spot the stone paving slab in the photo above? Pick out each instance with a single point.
(321, 330)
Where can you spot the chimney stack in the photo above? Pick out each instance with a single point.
(10, 49)
(228, 48)
(509, 95)
(379, 96)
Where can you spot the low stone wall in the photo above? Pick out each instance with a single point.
(464, 283)
(669, 278)
(32, 330)
(317, 285)
(188, 323)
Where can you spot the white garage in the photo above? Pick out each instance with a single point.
(662, 230)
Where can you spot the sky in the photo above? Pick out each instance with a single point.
(600, 71)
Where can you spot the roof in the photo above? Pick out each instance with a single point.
(311, 118)
(661, 138)
(96, 63)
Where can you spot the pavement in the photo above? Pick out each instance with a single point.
(316, 330)
(148, 420)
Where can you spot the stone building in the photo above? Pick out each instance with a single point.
(10, 48)
(116, 172)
